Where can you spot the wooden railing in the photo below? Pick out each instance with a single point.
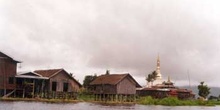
(59, 95)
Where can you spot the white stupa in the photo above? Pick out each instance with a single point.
(159, 76)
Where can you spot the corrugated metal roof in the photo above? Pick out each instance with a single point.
(48, 73)
(111, 79)
(52, 72)
(30, 75)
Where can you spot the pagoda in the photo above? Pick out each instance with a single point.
(158, 79)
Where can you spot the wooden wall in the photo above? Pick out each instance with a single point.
(126, 86)
(61, 78)
(8, 69)
(105, 89)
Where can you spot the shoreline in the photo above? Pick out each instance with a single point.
(65, 101)
(192, 102)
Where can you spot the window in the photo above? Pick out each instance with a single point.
(11, 80)
(65, 87)
(54, 86)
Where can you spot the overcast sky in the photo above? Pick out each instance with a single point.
(89, 36)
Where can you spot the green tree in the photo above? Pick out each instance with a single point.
(204, 90)
(88, 79)
(151, 77)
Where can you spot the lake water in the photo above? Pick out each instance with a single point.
(21, 105)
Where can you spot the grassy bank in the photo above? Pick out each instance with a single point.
(85, 97)
(40, 100)
(169, 101)
(173, 101)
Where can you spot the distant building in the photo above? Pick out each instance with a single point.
(161, 89)
(166, 89)
(8, 69)
(114, 87)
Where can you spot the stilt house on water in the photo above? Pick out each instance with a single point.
(114, 87)
(52, 83)
(8, 69)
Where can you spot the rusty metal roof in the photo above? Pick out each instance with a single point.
(30, 75)
(112, 79)
(48, 73)
(52, 72)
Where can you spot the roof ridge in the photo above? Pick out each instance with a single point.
(56, 72)
(48, 69)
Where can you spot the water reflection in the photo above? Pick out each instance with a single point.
(21, 105)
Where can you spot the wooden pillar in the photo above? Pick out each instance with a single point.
(134, 97)
(112, 97)
(100, 97)
(23, 92)
(95, 97)
(33, 88)
(116, 97)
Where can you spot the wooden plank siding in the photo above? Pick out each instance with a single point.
(114, 84)
(105, 88)
(126, 86)
(8, 70)
(62, 78)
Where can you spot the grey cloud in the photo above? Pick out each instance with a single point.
(84, 36)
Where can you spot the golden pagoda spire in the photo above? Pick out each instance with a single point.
(168, 79)
(158, 61)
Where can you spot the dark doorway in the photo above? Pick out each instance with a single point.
(54, 86)
(65, 87)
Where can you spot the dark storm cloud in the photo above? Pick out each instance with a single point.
(91, 36)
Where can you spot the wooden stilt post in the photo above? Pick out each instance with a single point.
(95, 97)
(112, 97)
(33, 89)
(23, 92)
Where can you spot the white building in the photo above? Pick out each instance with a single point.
(159, 76)
(158, 79)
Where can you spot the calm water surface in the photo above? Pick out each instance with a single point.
(20, 105)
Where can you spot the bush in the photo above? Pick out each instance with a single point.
(147, 100)
(170, 101)
(173, 101)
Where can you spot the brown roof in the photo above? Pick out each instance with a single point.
(48, 73)
(52, 72)
(111, 79)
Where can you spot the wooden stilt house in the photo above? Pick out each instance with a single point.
(114, 87)
(52, 83)
(30, 84)
(8, 69)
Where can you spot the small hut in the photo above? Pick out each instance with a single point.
(114, 87)
(52, 83)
